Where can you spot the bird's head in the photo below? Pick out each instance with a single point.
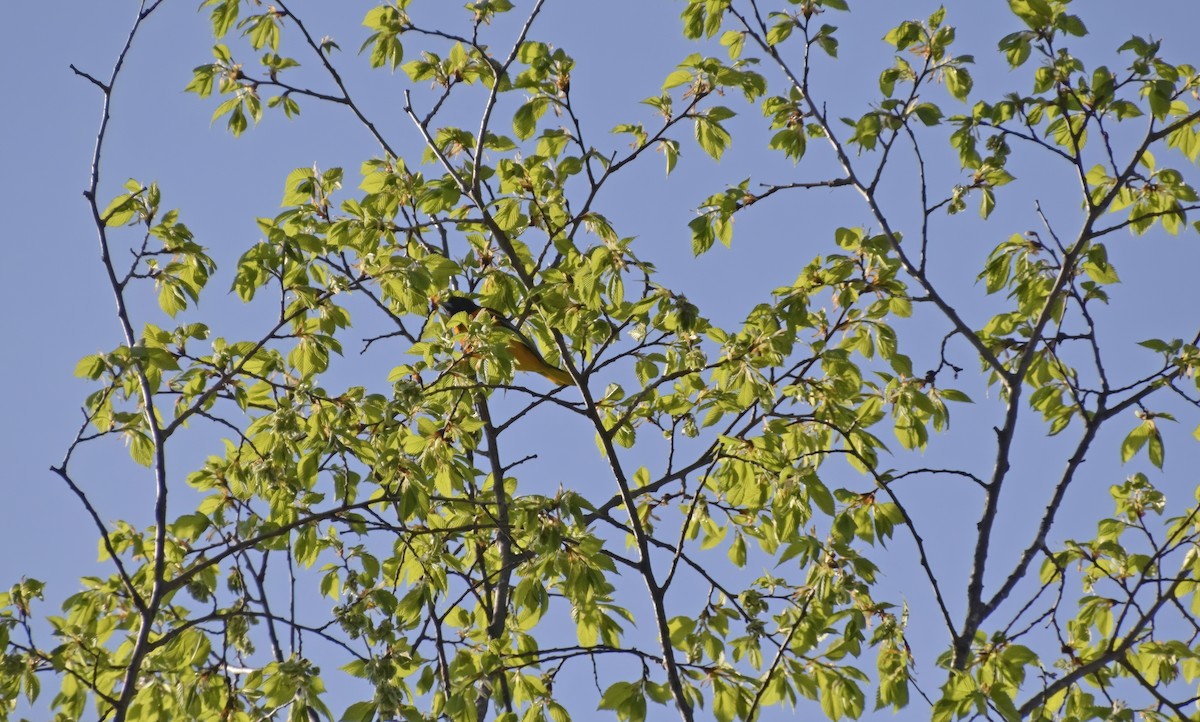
(458, 304)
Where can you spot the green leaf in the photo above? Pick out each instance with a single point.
(826, 40)
(677, 78)
(987, 202)
(1100, 272)
(91, 367)
(904, 34)
(526, 117)
(626, 699)
(263, 31)
(1017, 47)
(1037, 14)
(792, 141)
(298, 188)
(734, 40)
(955, 395)
(737, 551)
(120, 211)
(670, 150)
(725, 707)
(1071, 25)
(141, 447)
(710, 134)
(1159, 94)
(1155, 446)
(781, 31)
(958, 82)
(928, 113)
(1135, 440)
(190, 526)
(224, 15)
(508, 215)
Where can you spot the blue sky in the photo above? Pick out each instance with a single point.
(59, 308)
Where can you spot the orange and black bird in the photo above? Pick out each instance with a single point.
(526, 356)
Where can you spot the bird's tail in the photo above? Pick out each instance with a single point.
(527, 358)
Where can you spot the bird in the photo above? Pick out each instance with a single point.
(526, 356)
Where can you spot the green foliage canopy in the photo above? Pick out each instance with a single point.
(714, 554)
